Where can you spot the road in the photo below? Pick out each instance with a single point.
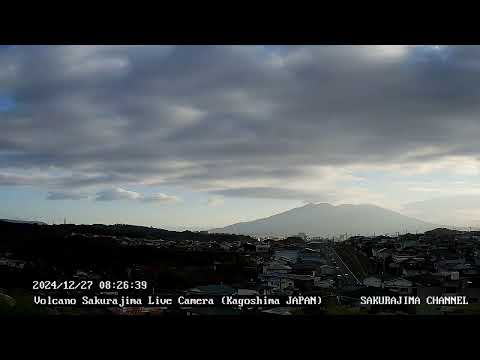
(348, 277)
(343, 272)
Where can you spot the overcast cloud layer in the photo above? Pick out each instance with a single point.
(245, 121)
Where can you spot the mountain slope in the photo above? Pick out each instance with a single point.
(326, 220)
(23, 222)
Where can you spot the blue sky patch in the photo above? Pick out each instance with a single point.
(6, 103)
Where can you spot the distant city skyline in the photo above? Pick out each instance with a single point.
(197, 137)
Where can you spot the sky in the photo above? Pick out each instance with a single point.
(205, 136)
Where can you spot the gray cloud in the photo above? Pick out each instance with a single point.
(13, 179)
(123, 115)
(160, 198)
(123, 194)
(64, 195)
(215, 201)
(275, 193)
(458, 210)
(458, 202)
(117, 194)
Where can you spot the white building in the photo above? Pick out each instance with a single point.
(399, 285)
(328, 270)
(276, 267)
(372, 281)
(323, 283)
(262, 248)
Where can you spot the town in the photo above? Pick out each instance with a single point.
(342, 272)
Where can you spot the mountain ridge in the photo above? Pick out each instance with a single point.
(324, 219)
(23, 221)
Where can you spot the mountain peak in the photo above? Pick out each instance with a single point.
(314, 205)
(324, 219)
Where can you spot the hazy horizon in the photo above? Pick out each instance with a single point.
(211, 228)
(200, 137)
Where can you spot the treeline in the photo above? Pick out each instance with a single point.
(48, 240)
